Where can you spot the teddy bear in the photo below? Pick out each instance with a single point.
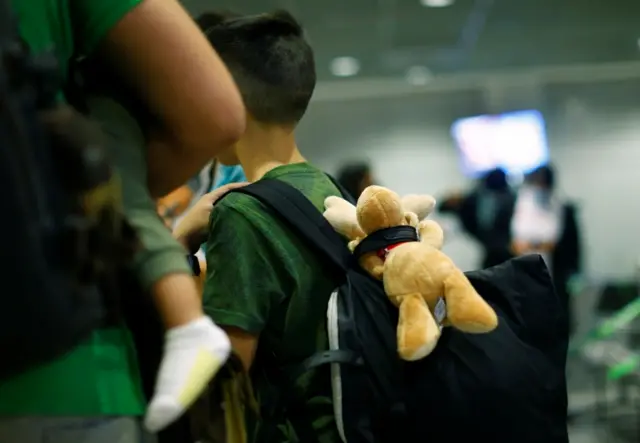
(429, 290)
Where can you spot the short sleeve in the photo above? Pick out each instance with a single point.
(160, 254)
(244, 280)
(92, 19)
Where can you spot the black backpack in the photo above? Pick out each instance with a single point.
(505, 386)
(61, 226)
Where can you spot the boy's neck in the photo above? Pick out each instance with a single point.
(263, 148)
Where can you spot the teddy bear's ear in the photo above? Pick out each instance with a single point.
(421, 205)
(341, 215)
(411, 219)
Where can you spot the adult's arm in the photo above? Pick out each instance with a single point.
(160, 52)
(450, 204)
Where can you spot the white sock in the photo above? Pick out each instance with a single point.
(193, 354)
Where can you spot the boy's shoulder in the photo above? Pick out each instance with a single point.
(238, 204)
(238, 214)
(314, 184)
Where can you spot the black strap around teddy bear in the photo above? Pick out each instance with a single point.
(385, 239)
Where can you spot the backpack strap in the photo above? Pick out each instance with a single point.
(301, 215)
(345, 194)
(304, 218)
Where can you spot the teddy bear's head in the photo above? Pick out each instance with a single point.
(380, 208)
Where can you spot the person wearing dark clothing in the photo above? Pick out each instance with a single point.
(566, 257)
(537, 221)
(485, 214)
(355, 177)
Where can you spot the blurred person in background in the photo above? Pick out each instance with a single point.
(228, 174)
(536, 221)
(543, 223)
(485, 214)
(173, 206)
(355, 177)
(213, 176)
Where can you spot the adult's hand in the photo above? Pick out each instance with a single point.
(192, 229)
(520, 247)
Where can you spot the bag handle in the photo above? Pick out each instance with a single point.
(300, 214)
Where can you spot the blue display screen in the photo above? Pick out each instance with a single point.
(513, 141)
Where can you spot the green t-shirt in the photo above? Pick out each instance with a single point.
(100, 376)
(262, 277)
(68, 26)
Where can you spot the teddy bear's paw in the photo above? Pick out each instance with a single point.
(333, 201)
(418, 332)
(377, 272)
(466, 310)
(431, 233)
(411, 219)
(373, 264)
(420, 352)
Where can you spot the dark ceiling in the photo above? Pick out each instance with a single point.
(390, 36)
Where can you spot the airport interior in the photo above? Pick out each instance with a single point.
(400, 79)
(520, 117)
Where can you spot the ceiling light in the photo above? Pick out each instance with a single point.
(345, 66)
(436, 3)
(419, 75)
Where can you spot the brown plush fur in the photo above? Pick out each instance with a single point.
(416, 275)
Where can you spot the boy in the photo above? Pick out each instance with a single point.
(261, 277)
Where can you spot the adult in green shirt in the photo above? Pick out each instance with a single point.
(155, 47)
(261, 278)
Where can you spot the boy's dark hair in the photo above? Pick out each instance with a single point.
(270, 60)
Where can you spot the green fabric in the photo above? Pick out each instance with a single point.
(161, 253)
(96, 378)
(100, 376)
(262, 277)
(63, 24)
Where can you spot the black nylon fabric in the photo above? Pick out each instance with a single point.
(505, 386)
(373, 394)
(384, 238)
